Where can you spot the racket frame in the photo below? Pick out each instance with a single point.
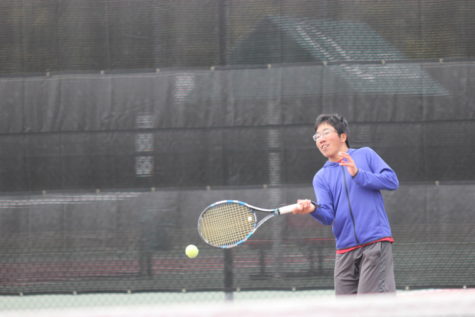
(271, 213)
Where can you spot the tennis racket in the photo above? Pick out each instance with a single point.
(228, 223)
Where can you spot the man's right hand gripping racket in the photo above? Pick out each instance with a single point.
(228, 223)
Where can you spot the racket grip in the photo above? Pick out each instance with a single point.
(286, 209)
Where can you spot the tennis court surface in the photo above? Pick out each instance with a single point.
(437, 302)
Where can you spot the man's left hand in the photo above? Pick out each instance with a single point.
(347, 160)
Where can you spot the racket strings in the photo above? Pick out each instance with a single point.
(226, 224)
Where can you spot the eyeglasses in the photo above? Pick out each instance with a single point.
(324, 134)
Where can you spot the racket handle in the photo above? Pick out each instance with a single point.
(286, 209)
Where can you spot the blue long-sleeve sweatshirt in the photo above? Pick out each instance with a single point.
(354, 205)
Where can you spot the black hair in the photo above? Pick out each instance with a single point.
(336, 121)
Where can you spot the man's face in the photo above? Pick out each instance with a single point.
(329, 142)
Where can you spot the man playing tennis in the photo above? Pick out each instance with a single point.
(348, 194)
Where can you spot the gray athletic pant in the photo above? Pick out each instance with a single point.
(368, 269)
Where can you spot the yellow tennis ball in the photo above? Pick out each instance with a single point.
(192, 251)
